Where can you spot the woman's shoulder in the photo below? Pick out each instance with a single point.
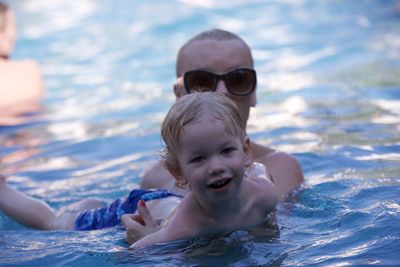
(267, 155)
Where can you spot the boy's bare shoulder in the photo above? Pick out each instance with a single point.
(263, 192)
(260, 200)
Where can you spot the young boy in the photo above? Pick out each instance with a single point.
(207, 152)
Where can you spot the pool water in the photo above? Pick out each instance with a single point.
(328, 93)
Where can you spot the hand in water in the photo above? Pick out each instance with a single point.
(139, 225)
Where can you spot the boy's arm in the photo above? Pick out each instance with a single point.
(177, 228)
(156, 237)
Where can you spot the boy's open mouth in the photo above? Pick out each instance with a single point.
(220, 183)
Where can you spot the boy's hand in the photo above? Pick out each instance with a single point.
(139, 225)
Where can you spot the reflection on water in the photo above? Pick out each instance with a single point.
(328, 92)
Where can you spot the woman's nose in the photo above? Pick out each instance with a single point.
(221, 87)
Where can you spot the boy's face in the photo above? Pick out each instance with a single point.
(219, 57)
(211, 160)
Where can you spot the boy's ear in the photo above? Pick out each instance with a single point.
(246, 151)
(177, 174)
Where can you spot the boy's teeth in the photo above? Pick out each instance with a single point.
(219, 184)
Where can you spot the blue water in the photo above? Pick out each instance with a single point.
(328, 93)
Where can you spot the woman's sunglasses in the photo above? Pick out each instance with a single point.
(239, 82)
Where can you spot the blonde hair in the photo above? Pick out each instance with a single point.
(191, 108)
(213, 34)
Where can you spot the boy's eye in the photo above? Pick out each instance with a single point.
(197, 159)
(228, 150)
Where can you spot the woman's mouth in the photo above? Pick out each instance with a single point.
(220, 185)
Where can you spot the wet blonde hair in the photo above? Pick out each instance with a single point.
(191, 108)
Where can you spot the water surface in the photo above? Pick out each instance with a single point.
(328, 93)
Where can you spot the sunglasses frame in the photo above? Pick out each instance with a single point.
(222, 77)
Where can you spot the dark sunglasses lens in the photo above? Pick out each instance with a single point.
(241, 81)
(199, 81)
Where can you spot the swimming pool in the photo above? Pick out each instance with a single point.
(329, 93)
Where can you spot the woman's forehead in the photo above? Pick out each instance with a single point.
(218, 55)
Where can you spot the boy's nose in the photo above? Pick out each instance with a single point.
(221, 87)
(216, 167)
